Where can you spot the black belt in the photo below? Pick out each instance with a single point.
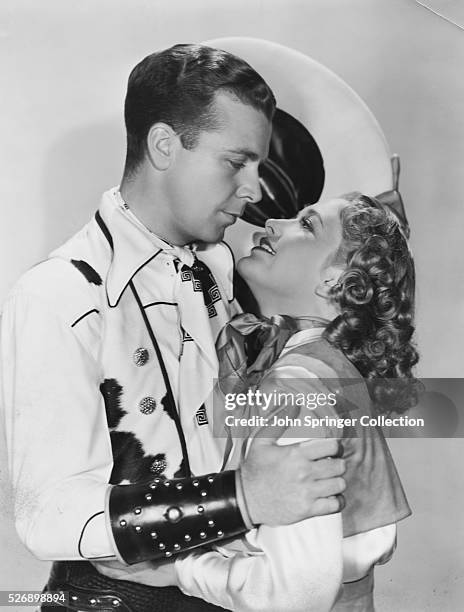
(92, 591)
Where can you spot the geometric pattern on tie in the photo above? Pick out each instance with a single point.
(201, 416)
(186, 337)
(203, 280)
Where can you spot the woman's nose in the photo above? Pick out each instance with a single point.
(274, 227)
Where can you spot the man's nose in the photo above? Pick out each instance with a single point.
(250, 187)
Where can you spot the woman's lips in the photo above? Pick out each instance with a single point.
(265, 245)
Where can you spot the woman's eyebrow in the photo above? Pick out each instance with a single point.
(310, 213)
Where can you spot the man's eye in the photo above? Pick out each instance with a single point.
(236, 165)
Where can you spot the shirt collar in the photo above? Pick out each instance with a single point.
(133, 245)
(303, 337)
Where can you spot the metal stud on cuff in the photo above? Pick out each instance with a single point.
(173, 514)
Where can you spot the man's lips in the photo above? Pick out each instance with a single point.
(231, 217)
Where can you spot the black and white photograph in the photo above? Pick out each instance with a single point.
(232, 305)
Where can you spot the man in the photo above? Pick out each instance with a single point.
(108, 351)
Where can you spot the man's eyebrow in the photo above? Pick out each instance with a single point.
(245, 152)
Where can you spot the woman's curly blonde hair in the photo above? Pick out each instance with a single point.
(375, 297)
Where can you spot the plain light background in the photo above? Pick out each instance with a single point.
(64, 66)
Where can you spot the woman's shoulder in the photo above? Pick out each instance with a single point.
(318, 367)
(320, 357)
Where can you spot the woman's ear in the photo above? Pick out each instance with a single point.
(161, 141)
(329, 278)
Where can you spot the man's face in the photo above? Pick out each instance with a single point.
(207, 188)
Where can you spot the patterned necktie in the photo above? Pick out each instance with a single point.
(248, 346)
(202, 280)
(203, 309)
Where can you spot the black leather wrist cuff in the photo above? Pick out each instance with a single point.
(162, 518)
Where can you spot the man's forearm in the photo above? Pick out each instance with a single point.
(161, 518)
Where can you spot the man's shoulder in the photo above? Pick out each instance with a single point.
(57, 285)
(50, 277)
(69, 282)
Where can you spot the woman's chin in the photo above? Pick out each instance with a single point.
(242, 267)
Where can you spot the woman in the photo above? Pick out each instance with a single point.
(342, 275)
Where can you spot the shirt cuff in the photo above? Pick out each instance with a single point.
(241, 500)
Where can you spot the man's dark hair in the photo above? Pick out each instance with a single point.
(177, 86)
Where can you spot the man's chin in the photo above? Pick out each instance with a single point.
(213, 237)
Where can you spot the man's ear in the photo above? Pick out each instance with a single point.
(329, 278)
(161, 142)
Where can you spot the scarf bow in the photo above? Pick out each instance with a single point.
(248, 346)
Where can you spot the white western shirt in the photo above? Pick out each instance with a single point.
(82, 387)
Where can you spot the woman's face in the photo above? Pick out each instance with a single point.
(292, 257)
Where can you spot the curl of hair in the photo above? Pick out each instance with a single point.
(375, 297)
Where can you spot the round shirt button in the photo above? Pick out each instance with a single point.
(147, 405)
(141, 356)
(158, 466)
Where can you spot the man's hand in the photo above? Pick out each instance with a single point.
(286, 484)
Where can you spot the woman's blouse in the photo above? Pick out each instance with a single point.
(303, 566)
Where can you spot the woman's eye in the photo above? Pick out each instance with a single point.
(307, 223)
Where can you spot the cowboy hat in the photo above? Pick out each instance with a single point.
(325, 141)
